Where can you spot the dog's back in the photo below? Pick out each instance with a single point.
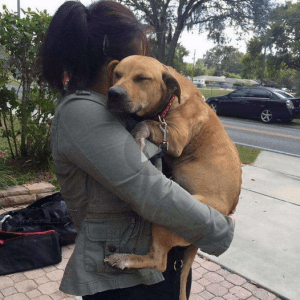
(209, 165)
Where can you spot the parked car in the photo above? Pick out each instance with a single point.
(199, 83)
(267, 104)
(223, 85)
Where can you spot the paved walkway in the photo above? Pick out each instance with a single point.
(262, 263)
(267, 244)
(210, 281)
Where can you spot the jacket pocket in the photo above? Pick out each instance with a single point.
(105, 237)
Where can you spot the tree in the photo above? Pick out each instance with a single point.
(274, 54)
(21, 38)
(254, 62)
(285, 34)
(201, 69)
(170, 17)
(180, 53)
(283, 76)
(226, 59)
(8, 102)
(266, 67)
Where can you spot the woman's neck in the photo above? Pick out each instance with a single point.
(103, 81)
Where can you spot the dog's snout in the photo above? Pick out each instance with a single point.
(116, 93)
(117, 99)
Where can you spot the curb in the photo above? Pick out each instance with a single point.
(25, 194)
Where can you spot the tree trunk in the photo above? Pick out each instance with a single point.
(13, 133)
(174, 41)
(173, 44)
(7, 136)
(24, 118)
(161, 46)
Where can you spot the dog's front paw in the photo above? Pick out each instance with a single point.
(140, 133)
(119, 261)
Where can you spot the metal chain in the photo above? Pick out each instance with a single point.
(163, 127)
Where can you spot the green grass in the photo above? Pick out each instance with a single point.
(18, 171)
(214, 92)
(248, 155)
(15, 172)
(6, 180)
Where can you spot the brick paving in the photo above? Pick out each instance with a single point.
(210, 282)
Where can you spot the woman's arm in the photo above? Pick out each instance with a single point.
(96, 142)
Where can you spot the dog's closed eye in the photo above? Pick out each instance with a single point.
(117, 75)
(140, 78)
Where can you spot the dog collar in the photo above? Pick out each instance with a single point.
(163, 114)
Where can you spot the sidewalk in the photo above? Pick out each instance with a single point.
(267, 244)
(262, 263)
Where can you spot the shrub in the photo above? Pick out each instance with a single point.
(26, 120)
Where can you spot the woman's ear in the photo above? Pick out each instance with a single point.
(110, 68)
(172, 85)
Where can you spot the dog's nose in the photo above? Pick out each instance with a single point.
(116, 93)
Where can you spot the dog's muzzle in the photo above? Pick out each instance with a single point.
(117, 94)
(118, 99)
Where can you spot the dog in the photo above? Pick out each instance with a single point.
(203, 159)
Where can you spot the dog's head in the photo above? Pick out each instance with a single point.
(142, 86)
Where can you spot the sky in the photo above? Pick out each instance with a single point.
(197, 44)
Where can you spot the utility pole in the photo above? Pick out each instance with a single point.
(19, 10)
(193, 65)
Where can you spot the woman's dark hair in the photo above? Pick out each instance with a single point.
(81, 39)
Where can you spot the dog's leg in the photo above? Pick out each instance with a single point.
(177, 137)
(155, 259)
(188, 258)
(162, 242)
(133, 261)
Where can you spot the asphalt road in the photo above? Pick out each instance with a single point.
(276, 137)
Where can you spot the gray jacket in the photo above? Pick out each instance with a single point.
(114, 193)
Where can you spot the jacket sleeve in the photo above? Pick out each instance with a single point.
(96, 142)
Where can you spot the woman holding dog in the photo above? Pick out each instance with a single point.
(112, 190)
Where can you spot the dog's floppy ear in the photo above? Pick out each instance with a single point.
(110, 67)
(172, 85)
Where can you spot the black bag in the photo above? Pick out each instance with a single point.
(44, 214)
(21, 251)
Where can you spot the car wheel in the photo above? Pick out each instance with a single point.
(266, 115)
(214, 107)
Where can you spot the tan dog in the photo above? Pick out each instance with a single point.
(205, 160)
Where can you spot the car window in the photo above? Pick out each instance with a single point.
(239, 93)
(258, 93)
(283, 94)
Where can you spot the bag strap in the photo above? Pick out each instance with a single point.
(4, 219)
